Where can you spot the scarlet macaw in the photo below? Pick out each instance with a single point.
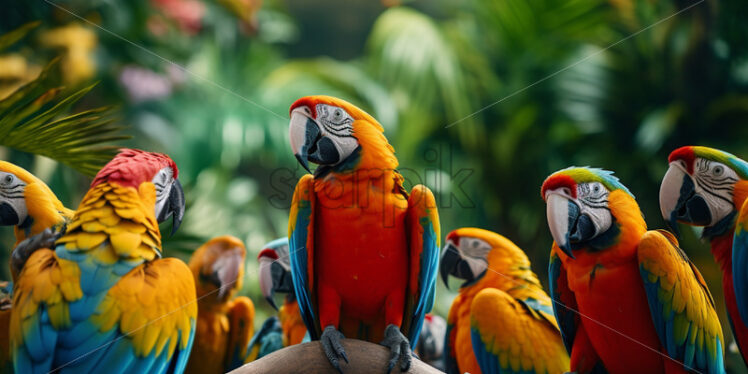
(275, 276)
(364, 252)
(224, 324)
(627, 300)
(30, 206)
(103, 299)
(708, 187)
(502, 321)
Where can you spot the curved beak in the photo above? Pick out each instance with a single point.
(8, 215)
(273, 277)
(679, 201)
(266, 278)
(226, 271)
(308, 141)
(564, 221)
(174, 207)
(452, 263)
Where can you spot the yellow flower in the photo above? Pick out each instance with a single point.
(77, 43)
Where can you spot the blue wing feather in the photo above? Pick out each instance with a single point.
(427, 280)
(740, 262)
(299, 257)
(567, 320)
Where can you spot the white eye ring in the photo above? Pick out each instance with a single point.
(8, 179)
(718, 170)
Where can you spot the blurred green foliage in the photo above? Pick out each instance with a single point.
(482, 99)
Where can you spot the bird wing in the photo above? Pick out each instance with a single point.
(450, 355)
(241, 328)
(740, 261)
(509, 336)
(41, 308)
(564, 301)
(301, 251)
(268, 339)
(145, 322)
(422, 226)
(680, 303)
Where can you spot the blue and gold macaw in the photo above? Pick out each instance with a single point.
(225, 323)
(103, 299)
(501, 321)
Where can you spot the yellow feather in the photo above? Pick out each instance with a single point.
(125, 242)
(90, 240)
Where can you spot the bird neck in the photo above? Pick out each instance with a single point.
(506, 272)
(44, 211)
(722, 252)
(115, 224)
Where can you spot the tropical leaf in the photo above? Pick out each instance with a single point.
(35, 119)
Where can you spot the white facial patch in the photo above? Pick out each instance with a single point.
(715, 182)
(475, 253)
(592, 199)
(163, 181)
(337, 124)
(12, 193)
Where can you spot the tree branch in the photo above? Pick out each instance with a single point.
(364, 357)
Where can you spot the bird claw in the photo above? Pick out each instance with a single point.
(333, 348)
(24, 249)
(399, 347)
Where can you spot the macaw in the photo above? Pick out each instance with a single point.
(430, 347)
(501, 321)
(224, 324)
(275, 276)
(363, 251)
(103, 299)
(707, 187)
(30, 206)
(627, 300)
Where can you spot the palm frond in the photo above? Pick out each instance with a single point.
(35, 119)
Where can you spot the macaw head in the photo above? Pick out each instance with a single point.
(275, 270)
(25, 198)
(335, 134)
(218, 267)
(703, 187)
(589, 208)
(481, 258)
(148, 172)
(465, 255)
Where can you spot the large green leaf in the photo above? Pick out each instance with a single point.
(35, 119)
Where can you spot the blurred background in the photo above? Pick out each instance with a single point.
(482, 99)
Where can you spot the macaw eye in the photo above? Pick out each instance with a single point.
(718, 170)
(337, 115)
(8, 179)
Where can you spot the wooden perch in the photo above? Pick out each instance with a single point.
(363, 357)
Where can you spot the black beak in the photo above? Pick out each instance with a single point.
(452, 263)
(691, 207)
(174, 207)
(8, 215)
(317, 148)
(282, 282)
(582, 228)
